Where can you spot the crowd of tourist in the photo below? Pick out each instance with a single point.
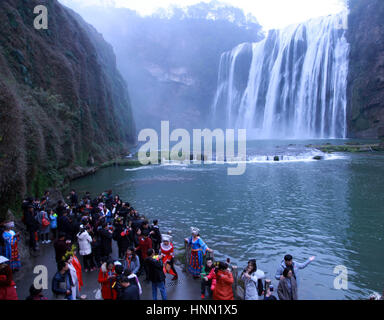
(86, 228)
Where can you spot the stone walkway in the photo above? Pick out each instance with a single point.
(185, 288)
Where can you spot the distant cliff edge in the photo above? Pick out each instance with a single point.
(366, 69)
(63, 104)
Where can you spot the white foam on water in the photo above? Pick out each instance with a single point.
(296, 158)
(297, 82)
(207, 165)
(139, 168)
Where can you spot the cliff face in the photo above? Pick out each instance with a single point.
(62, 100)
(366, 70)
(171, 61)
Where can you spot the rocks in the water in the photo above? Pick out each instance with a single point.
(276, 158)
(318, 158)
(348, 147)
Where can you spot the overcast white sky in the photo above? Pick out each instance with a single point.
(270, 13)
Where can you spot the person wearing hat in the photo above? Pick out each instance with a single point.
(198, 250)
(35, 294)
(11, 239)
(167, 253)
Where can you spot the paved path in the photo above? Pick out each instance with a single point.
(185, 288)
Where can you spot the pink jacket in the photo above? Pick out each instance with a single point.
(212, 276)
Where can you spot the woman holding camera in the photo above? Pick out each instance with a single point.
(253, 285)
(224, 280)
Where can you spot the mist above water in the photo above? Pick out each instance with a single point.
(294, 85)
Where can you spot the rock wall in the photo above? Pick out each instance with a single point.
(62, 100)
(366, 70)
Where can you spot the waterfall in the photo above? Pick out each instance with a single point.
(290, 85)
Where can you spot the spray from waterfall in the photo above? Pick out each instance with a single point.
(294, 84)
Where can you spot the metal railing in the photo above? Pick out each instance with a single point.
(238, 291)
(187, 255)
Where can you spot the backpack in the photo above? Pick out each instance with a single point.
(45, 222)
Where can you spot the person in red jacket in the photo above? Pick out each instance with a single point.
(7, 285)
(224, 280)
(145, 243)
(107, 279)
(212, 277)
(77, 265)
(166, 249)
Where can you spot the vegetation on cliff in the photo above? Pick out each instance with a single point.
(62, 101)
(171, 58)
(366, 69)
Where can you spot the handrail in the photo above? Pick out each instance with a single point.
(187, 255)
(235, 275)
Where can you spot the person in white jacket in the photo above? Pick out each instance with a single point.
(251, 276)
(75, 282)
(85, 246)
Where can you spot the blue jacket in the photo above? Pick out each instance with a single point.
(135, 265)
(61, 283)
(53, 219)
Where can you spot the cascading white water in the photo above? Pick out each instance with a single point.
(295, 85)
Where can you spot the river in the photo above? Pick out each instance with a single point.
(332, 208)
